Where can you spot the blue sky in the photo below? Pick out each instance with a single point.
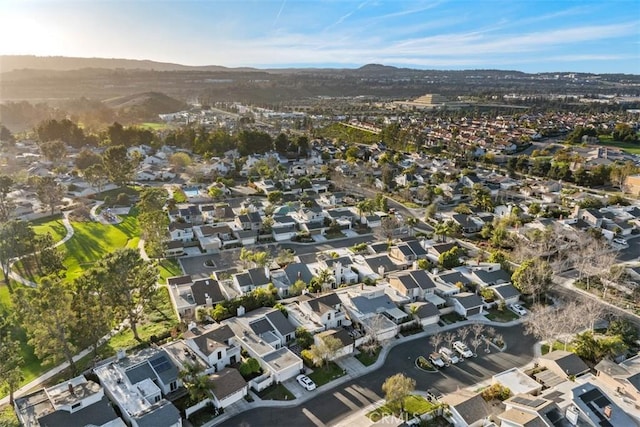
(532, 36)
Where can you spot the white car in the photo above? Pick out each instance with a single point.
(306, 382)
(436, 360)
(448, 355)
(518, 309)
(620, 241)
(462, 349)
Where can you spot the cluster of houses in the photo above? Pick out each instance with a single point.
(560, 391)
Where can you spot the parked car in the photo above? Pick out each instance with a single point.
(433, 395)
(306, 382)
(436, 360)
(448, 355)
(620, 241)
(462, 349)
(518, 309)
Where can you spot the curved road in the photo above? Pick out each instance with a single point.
(334, 406)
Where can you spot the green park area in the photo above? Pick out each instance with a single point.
(628, 147)
(90, 243)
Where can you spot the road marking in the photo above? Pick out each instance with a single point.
(346, 401)
(358, 396)
(313, 418)
(368, 393)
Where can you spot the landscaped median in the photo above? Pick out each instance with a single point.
(413, 405)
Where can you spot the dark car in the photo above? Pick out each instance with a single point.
(433, 395)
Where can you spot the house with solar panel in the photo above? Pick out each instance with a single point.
(139, 384)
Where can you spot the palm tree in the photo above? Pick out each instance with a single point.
(196, 382)
(324, 279)
(442, 230)
(411, 222)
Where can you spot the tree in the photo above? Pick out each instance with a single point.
(129, 285)
(449, 338)
(463, 333)
(118, 166)
(435, 341)
(249, 367)
(47, 314)
(396, 388)
(389, 225)
(196, 381)
(500, 258)
(54, 151)
(543, 323)
(284, 257)
(6, 205)
(96, 175)
(451, 258)
(49, 192)
(325, 349)
(180, 161)
(281, 143)
(323, 280)
(297, 288)
(533, 277)
(153, 220)
(411, 222)
(16, 239)
(303, 337)
(11, 362)
(430, 211)
(442, 230)
(274, 197)
(87, 158)
(95, 316)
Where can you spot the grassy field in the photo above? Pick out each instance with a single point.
(154, 126)
(52, 225)
(625, 146)
(92, 241)
(130, 191)
(413, 405)
(169, 268)
(505, 315)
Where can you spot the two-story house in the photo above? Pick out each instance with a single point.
(251, 279)
(413, 284)
(324, 309)
(217, 345)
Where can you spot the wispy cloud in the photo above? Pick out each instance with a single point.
(346, 16)
(279, 12)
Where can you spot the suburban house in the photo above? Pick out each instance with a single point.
(563, 363)
(216, 345)
(525, 410)
(249, 221)
(413, 284)
(228, 387)
(506, 293)
(598, 408)
(467, 409)
(137, 383)
(425, 312)
(263, 334)
(251, 279)
(213, 237)
(467, 304)
(374, 310)
(74, 403)
(182, 231)
(187, 296)
(468, 223)
(341, 334)
(341, 269)
(623, 377)
(325, 310)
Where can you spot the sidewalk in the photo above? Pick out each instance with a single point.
(354, 370)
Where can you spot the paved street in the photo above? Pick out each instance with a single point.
(335, 405)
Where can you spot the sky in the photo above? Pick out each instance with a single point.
(525, 35)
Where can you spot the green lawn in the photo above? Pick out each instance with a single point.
(326, 374)
(626, 146)
(52, 225)
(505, 315)
(557, 345)
(92, 241)
(368, 359)
(130, 191)
(276, 392)
(154, 126)
(413, 405)
(169, 268)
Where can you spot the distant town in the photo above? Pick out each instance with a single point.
(434, 260)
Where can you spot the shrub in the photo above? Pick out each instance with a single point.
(496, 391)
(249, 368)
(122, 199)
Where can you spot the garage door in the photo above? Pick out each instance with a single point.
(473, 311)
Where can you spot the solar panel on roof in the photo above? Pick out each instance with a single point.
(161, 364)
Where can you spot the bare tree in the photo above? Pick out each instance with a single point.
(477, 329)
(591, 311)
(436, 340)
(475, 343)
(449, 338)
(543, 323)
(463, 333)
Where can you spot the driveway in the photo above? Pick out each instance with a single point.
(333, 406)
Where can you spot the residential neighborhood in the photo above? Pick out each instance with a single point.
(291, 277)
